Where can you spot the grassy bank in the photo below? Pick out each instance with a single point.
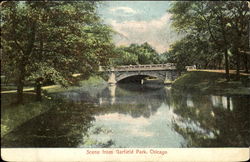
(209, 82)
(13, 115)
(93, 81)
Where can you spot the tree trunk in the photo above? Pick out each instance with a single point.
(220, 62)
(237, 64)
(228, 103)
(246, 62)
(20, 91)
(20, 83)
(226, 65)
(38, 90)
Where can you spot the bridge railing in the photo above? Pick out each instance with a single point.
(139, 67)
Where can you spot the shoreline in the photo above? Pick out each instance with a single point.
(212, 82)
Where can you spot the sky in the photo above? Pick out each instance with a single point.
(139, 22)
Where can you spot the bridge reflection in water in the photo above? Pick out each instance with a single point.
(110, 98)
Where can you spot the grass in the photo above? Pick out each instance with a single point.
(13, 115)
(209, 82)
(92, 81)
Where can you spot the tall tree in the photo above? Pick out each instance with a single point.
(213, 22)
(193, 51)
(238, 20)
(53, 40)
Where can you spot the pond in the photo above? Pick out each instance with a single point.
(134, 115)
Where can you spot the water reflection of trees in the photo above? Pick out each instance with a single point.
(63, 126)
(212, 121)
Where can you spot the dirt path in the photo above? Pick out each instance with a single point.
(221, 71)
(30, 89)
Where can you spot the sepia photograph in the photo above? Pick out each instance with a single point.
(125, 80)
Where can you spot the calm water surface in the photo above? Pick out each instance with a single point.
(132, 115)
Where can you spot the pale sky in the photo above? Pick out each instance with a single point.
(139, 22)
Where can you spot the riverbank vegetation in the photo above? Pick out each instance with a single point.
(91, 82)
(211, 82)
(216, 35)
(49, 41)
(13, 115)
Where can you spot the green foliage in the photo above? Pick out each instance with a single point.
(69, 127)
(126, 58)
(213, 30)
(93, 84)
(193, 51)
(137, 54)
(52, 40)
(210, 83)
(14, 116)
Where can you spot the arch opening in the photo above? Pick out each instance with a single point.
(133, 79)
(140, 79)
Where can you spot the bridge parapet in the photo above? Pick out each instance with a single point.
(168, 66)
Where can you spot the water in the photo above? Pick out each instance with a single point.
(131, 115)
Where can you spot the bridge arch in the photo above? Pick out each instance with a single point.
(166, 72)
(131, 74)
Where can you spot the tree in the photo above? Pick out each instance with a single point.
(137, 54)
(213, 22)
(125, 57)
(193, 51)
(53, 40)
(239, 17)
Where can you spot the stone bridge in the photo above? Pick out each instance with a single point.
(165, 72)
